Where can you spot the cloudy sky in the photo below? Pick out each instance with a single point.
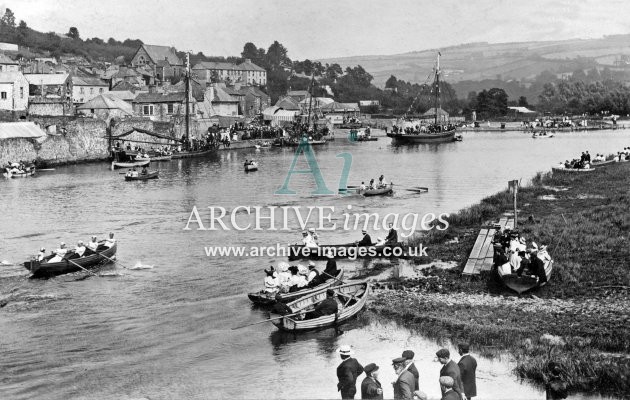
(326, 28)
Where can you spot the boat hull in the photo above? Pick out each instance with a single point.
(265, 299)
(572, 170)
(140, 177)
(251, 167)
(378, 192)
(119, 164)
(39, 269)
(191, 154)
(350, 250)
(443, 137)
(524, 283)
(26, 174)
(352, 291)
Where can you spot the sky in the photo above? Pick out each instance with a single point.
(319, 29)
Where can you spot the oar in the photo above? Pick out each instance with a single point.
(267, 320)
(335, 278)
(112, 260)
(45, 169)
(86, 270)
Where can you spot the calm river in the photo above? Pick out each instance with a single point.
(165, 332)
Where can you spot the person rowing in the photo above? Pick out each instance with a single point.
(92, 245)
(307, 240)
(60, 253)
(110, 241)
(80, 249)
(42, 254)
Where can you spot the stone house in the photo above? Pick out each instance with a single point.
(255, 100)
(162, 60)
(106, 106)
(162, 106)
(8, 65)
(85, 88)
(13, 91)
(246, 72)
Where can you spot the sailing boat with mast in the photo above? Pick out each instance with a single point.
(433, 133)
(307, 134)
(200, 148)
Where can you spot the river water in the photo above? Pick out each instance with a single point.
(163, 330)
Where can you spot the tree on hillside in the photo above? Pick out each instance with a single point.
(333, 71)
(391, 82)
(522, 102)
(492, 103)
(276, 56)
(8, 18)
(73, 33)
(250, 51)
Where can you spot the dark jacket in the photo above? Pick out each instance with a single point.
(347, 373)
(368, 388)
(556, 389)
(451, 395)
(392, 236)
(451, 369)
(414, 371)
(468, 367)
(365, 241)
(326, 307)
(331, 268)
(404, 386)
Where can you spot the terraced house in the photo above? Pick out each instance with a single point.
(86, 88)
(246, 72)
(162, 107)
(13, 91)
(162, 60)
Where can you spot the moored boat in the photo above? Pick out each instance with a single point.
(541, 135)
(41, 268)
(143, 177)
(350, 250)
(572, 170)
(265, 299)
(252, 166)
(351, 299)
(131, 164)
(21, 174)
(388, 189)
(161, 158)
(521, 284)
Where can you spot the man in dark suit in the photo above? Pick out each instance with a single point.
(451, 369)
(347, 373)
(392, 235)
(446, 385)
(371, 387)
(327, 307)
(468, 367)
(366, 240)
(408, 356)
(404, 385)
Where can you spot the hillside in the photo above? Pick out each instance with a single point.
(505, 61)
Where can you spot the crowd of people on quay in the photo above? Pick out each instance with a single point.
(513, 255)
(423, 128)
(457, 380)
(81, 250)
(20, 167)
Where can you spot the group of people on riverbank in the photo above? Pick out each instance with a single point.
(287, 278)
(585, 161)
(81, 250)
(20, 167)
(457, 380)
(513, 256)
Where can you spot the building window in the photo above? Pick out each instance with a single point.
(92, 110)
(3, 95)
(170, 108)
(81, 90)
(21, 92)
(100, 90)
(91, 90)
(147, 110)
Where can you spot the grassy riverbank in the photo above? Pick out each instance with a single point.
(580, 319)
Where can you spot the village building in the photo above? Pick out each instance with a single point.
(86, 88)
(255, 101)
(106, 106)
(298, 95)
(8, 65)
(161, 60)
(162, 106)
(246, 72)
(13, 91)
(49, 94)
(288, 103)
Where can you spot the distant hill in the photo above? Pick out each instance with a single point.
(504, 61)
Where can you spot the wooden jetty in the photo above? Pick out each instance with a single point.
(481, 256)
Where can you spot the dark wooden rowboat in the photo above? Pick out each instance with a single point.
(352, 297)
(389, 189)
(525, 282)
(63, 267)
(191, 154)
(141, 177)
(350, 250)
(266, 299)
(411, 138)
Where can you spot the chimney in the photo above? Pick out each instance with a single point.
(152, 89)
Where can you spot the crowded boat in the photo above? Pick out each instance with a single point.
(15, 169)
(81, 250)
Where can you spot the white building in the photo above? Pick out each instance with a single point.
(85, 89)
(13, 91)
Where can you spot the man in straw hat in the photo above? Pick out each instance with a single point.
(405, 384)
(348, 372)
(451, 369)
(371, 387)
(446, 385)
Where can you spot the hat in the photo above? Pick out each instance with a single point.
(311, 264)
(399, 360)
(464, 347)
(522, 240)
(363, 231)
(270, 271)
(345, 350)
(543, 247)
(371, 367)
(408, 354)
(93, 236)
(443, 353)
(283, 266)
(447, 381)
(311, 230)
(80, 242)
(62, 244)
(330, 292)
(304, 233)
(42, 249)
(330, 254)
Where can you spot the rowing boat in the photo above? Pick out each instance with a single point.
(558, 169)
(521, 284)
(39, 268)
(388, 189)
(539, 136)
(352, 298)
(143, 177)
(253, 166)
(120, 164)
(161, 158)
(191, 154)
(266, 299)
(21, 174)
(350, 250)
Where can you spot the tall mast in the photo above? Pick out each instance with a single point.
(437, 88)
(310, 101)
(187, 80)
